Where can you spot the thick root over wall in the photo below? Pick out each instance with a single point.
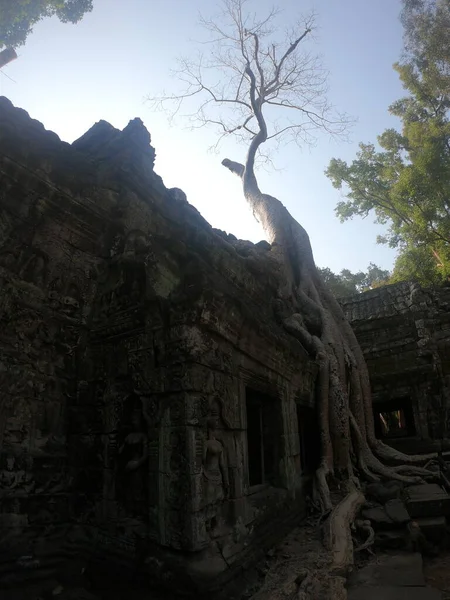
(350, 451)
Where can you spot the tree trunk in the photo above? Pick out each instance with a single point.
(318, 322)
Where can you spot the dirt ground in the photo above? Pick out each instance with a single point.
(287, 565)
(301, 552)
(437, 573)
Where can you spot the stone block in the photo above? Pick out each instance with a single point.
(199, 537)
(396, 511)
(207, 567)
(378, 517)
(391, 569)
(33, 589)
(427, 500)
(237, 482)
(382, 492)
(231, 550)
(291, 444)
(240, 511)
(394, 593)
(391, 540)
(433, 528)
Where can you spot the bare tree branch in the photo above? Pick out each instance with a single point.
(251, 76)
(289, 51)
(258, 64)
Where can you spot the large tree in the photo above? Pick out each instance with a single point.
(347, 283)
(17, 17)
(260, 81)
(405, 182)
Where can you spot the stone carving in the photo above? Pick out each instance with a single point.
(35, 269)
(72, 300)
(14, 480)
(151, 411)
(214, 472)
(111, 407)
(11, 253)
(136, 245)
(134, 453)
(214, 467)
(117, 245)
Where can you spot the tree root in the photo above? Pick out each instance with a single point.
(389, 473)
(338, 537)
(364, 469)
(365, 526)
(371, 467)
(321, 488)
(389, 454)
(419, 471)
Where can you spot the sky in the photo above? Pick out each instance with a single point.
(71, 76)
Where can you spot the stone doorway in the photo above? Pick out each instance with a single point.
(394, 419)
(263, 435)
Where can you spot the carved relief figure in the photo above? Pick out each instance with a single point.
(136, 244)
(117, 245)
(215, 475)
(134, 453)
(15, 480)
(72, 300)
(110, 405)
(11, 257)
(35, 269)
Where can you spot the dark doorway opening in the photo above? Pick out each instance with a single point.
(309, 438)
(394, 419)
(263, 437)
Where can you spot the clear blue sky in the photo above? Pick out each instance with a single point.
(70, 76)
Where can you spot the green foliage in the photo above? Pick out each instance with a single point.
(347, 283)
(427, 42)
(17, 17)
(417, 263)
(405, 182)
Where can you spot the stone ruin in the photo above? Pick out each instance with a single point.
(404, 332)
(156, 422)
(155, 419)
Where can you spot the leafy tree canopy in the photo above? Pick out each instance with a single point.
(417, 263)
(405, 181)
(347, 283)
(17, 17)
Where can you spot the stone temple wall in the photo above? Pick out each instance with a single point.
(404, 332)
(150, 404)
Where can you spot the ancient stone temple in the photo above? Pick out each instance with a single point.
(404, 332)
(154, 416)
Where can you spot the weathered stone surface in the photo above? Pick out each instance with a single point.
(132, 336)
(391, 569)
(391, 577)
(396, 511)
(433, 528)
(427, 500)
(384, 491)
(378, 517)
(393, 514)
(391, 539)
(394, 593)
(404, 332)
